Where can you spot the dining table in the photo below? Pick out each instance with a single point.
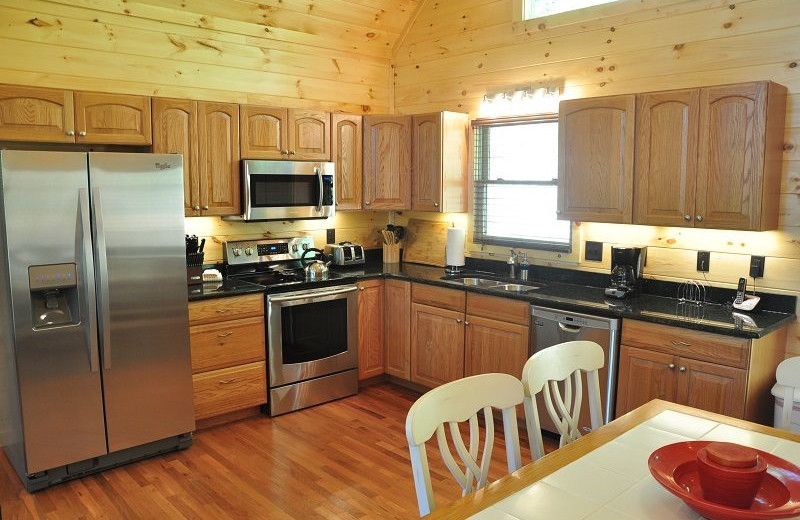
(604, 475)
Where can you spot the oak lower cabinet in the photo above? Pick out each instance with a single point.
(397, 327)
(228, 354)
(497, 335)
(65, 116)
(347, 146)
(387, 162)
(285, 133)
(437, 334)
(439, 162)
(207, 135)
(721, 374)
(370, 328)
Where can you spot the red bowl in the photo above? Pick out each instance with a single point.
(722, 478)
(675, 467)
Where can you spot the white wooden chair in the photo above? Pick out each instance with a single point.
(562, 363)
(788, 374)
(457, 402)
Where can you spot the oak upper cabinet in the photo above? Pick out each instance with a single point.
(64, 116)
(281, 133)
(722, 374)
(206, 134)
(387, 162)
(497, 332)
(437, 334)
(595, 159)
(710, 157)
(36, 114)
(370, 328)
(347, 158)
(439, 155)
(740, 156)
(397, 326)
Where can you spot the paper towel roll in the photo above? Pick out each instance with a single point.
(454, 253)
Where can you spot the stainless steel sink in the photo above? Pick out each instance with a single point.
(488, 283)
(476, 282)
(515, 287)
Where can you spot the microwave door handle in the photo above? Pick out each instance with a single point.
(318, 171)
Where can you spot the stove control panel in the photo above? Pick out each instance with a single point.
(242, 252)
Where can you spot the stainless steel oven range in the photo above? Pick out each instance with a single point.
(311, 327)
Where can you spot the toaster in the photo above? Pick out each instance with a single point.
(345, 253)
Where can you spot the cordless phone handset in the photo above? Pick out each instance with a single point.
(744, 302)
(740, 290)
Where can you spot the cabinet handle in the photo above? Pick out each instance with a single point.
(337, 203)
(227, 381)
(361, 288)
(466, 322)
(224, 334)
(458, 320)
(196, 208)
(671, 366)
(82, 133)
(366, 203)
(687, 217)
(223, 311)
(682, 369)
(699, 218)
(205, 207)
(680, 343)
(70, 132)
(435, 204)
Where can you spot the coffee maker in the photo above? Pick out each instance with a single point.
(626, 271)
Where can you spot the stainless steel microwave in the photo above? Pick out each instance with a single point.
(286, 190)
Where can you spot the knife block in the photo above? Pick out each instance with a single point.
(391, 253)
(194, 268)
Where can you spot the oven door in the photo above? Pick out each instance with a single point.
(276, 190)
(312, 333)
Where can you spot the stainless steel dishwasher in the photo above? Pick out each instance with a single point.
(554, 326)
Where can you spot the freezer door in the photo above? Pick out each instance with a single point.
(140, 266)
(46, 213)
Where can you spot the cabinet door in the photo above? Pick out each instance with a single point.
(397, 325)
(666, 157)
(595, 159)
(711, 387)
(309, 135)
(644, 375)
(494, 346)
(370, 329)
(263, 133)
(437, 345)
(175, 131)
(112, 119)
(426, 184)
(218, 133)
(387, 166)
(36, 114)
(731, 151)
(347, 158)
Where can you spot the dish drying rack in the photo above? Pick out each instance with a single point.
(692, 298)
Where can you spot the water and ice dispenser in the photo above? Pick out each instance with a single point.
(54, 295)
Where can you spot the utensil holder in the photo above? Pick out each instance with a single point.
(391, 253)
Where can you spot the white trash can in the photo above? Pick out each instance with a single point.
(777, 391)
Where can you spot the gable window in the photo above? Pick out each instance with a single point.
(515, 180)
(536, 8)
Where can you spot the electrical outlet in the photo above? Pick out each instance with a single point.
(757, 266)
(330, 236)
(703, 261)
(593, 251)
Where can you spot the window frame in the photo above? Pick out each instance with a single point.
(480, 187)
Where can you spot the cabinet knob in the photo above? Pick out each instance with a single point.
(458, 320)
(361, 288)
(687, 217)
(205, 207)
(699, 218)
(671, 366)
(466, 322)
(682, 369)
(196, 208)
(336, 203)
(82, 133)
(436, 204)
(366, 203)
(292, 152)
(70, 132)
(285, 152)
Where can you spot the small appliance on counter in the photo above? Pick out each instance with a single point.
(627, 264)
(194, 260)
(345, 253)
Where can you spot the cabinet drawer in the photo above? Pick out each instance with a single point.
(227, 343)
(220, 309)
(441, 297)
(497, 308)
(229, 389)
(694, 344)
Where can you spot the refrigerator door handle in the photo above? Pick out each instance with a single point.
(102, 277)
(85, 252)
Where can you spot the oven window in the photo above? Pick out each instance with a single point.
(314, 331)
(278, 191)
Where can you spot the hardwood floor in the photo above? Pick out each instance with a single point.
(342, 460)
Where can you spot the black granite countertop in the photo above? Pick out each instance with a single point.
(227, 287)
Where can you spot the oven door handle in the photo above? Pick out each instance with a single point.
(318, 171)
(311, 296)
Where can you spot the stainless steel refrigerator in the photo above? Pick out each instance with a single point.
(94, 361)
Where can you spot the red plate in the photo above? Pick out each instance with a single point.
(674, 466)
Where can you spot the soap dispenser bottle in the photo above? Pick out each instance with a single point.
(523, 267)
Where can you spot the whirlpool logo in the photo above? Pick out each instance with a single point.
(163, 166)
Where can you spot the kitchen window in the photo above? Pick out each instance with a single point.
(515, 180)
(536, 8)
